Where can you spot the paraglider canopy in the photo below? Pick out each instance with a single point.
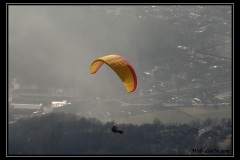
(121, 67)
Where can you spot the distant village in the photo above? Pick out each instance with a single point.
(26, 102)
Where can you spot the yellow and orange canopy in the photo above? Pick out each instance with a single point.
(121, 67)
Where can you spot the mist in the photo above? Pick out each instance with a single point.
(53, 46)
(182, 56)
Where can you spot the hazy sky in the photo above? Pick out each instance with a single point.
(51, 44)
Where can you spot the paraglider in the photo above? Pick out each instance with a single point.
(121, 67)
(115, 130)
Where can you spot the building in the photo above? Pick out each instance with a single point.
(59, 103)
(25, 109)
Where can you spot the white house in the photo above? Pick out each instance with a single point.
(59, 103)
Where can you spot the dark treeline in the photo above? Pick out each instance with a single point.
(69, 134)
